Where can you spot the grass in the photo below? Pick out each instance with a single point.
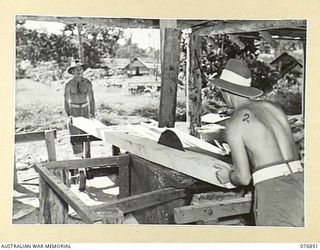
(39, 106)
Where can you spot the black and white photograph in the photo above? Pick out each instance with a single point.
(170, 121)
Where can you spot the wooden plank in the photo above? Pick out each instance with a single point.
(189, 140)
(248, 26)
(51, 149)
(124, 181)
(32, 136)
(90, 126)
(83, 138)
(212, 210)
(111, 22)
(195, 85)
(170, 54)
(52, 209)
(63, 191)
(140, 201)
(101, 171)
(90, 162)
(187, 82)
(197, 165)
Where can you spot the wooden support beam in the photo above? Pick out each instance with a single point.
(249, 26)
(187, 82)
(90, 162)
(195, 84)
(124, 181)
(101, 171)
(213, 210)
(115, 150)
(70, 198)
(51, 149)
(111, 22)
(170, 59)
(81, 52)
(140, 201)
(32, 136)
(304, 78)
(83, 138)
(52, 208)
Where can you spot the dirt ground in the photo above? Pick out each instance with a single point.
(25, 206)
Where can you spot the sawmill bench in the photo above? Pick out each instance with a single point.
(152, 193)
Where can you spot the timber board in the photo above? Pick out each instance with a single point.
(194, 164)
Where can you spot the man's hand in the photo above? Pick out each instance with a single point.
(223, 175)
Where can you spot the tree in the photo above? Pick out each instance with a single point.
(130, 50)
(36, 46)
(99, 42)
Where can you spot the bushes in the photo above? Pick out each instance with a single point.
(288, 94)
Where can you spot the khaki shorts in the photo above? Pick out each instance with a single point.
(280, 201)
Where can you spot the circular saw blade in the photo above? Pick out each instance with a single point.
(170, 139)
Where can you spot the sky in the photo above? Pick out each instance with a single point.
(143, 37)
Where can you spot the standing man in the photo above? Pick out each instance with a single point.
(78, 101)
(262, 149)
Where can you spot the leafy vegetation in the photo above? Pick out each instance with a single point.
(285, 89)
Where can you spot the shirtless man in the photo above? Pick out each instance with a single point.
(262, 149)
(78, 101)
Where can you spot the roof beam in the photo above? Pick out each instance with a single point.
(249, 26)
(111, 22)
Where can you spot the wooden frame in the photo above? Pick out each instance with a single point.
(95, 213)
(212, 211)
(56, 213)
(48, 136)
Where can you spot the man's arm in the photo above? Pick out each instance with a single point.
(66, 99)
(91, 99)
(240, 176)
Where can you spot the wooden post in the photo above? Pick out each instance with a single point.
(115, 150)
(15, 176)
(188, 79)
(51, 149)
(195, 84)
(304, 79)
(124, 181)
(53, 210)
(170, 56)
(81, 53)
(86, 149)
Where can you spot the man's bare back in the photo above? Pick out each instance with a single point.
(265, 132)
(263, 151)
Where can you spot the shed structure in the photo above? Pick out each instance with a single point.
(170, 35)
(137, 67)
(286, 63)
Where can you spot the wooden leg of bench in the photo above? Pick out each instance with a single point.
(115, 150)
(52, 209)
